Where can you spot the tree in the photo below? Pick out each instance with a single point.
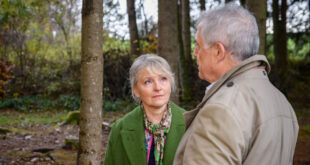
(64, 14)
(259, 9)
(242, 2)
(185, 51)
(280, 41)
(134, 38)
(168, 35)
(144, 25)
(202, 5)
(112, 19)
(91, 83)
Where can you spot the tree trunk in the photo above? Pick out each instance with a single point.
(242, 2)
(91, 83)
(280, 42)
(259, 9)
(168, 36)
(134, 38)
(202, 5)
(185, 55)
(146, 30)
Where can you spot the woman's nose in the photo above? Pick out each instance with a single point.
(157, 85)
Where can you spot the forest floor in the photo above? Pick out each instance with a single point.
(40, 141)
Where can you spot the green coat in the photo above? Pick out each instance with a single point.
(127, 140)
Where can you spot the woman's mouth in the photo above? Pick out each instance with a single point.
(158, 96)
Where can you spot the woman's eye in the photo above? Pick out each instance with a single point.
(164, 79)
(147, 82)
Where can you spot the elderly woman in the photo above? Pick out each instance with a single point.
(151, 132)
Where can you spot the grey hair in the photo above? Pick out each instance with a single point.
(234, 27)
(149, 61)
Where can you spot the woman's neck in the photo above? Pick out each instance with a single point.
(155, 114)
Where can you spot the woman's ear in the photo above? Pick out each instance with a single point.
(136, 92)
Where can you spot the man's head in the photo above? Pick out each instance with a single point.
(225, 37)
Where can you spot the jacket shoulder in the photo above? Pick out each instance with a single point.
(128, 118)
(177, 108)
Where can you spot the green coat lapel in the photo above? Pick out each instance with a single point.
(132, 136)
(174, 136)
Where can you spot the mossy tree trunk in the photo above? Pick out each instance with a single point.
(91, 84)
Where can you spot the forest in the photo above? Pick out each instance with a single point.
(46, 86)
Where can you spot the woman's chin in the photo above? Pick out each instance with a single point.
(159, 103)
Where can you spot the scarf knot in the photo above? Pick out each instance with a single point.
(159, 131)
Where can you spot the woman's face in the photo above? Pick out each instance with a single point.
(153, 88)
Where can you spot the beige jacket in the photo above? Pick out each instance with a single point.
(243, 119)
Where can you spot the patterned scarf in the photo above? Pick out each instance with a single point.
(159, 131)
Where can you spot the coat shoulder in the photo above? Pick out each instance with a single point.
(129, 118)
(177, 108)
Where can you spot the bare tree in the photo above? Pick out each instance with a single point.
(259, 9)
(242, 2)
(91, 83)
(134, 38)
(280, 41)
(202, 5)
(168, 35)
(185, 54)
(64, 15)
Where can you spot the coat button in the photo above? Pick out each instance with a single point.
(230, 84)
(264, 72)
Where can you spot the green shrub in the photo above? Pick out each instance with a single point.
(306, 128)
(67, 102)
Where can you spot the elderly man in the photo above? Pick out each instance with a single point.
(243, 118)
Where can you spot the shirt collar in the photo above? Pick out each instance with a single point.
(209, 87)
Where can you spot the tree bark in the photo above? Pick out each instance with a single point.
(185, 42)
(168, 36)
(202, 5)
(91, 84)
(280, 42)
(242, 2)
(134, 37)
(146, 29)
(259, 9)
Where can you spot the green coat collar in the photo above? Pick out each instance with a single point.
(132, 135)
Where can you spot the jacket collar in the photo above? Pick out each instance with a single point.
(254, 61)
(133, 136)
(174, 135)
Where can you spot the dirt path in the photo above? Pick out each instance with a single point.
(39, 144)
(44, 144)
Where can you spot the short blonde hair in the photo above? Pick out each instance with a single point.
(149, 61)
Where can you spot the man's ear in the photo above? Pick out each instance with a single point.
(221, 51)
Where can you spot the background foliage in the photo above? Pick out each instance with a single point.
(40, 54)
